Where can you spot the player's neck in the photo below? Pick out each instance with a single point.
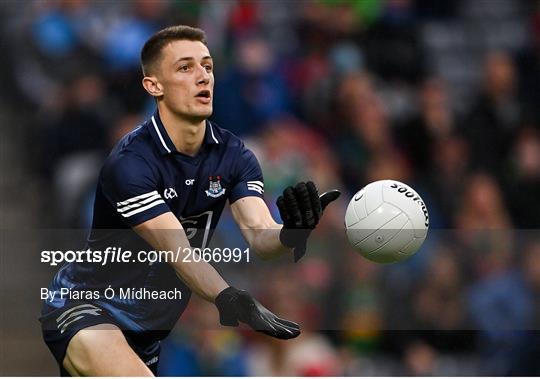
(186, 135)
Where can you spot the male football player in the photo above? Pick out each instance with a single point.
(175, 171)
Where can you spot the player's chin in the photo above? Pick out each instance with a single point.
(202, 110)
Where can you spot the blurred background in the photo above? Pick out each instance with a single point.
(442, 95)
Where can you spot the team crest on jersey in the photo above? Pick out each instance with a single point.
(215, 189)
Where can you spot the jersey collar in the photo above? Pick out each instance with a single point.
(164, 142)
(212, 135)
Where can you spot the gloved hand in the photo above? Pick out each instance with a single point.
(301, 209)
(238, 305)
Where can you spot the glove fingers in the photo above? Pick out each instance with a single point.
(261, 324)
(291, 325)
(315, 200)
(287, 331)
(285, 334)
(268, 323)
(304, 202)
(264, 324)
(283, 210)
(292, 207)
(278, 330)
(327, 197)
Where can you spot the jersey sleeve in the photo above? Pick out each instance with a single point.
(131, 187)
(249, 179)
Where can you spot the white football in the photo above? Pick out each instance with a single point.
(386, 221)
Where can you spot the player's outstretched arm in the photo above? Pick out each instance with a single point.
(300, 207)
(165, 233)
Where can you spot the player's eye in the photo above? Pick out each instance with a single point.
(184, 68)
(208, 67)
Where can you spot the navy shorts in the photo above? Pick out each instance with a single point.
(60, 325)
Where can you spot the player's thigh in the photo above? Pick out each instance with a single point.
(102, 350)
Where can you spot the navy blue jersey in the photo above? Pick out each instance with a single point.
(144, 177)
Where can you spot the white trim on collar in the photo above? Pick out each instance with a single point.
(212, 131)
(161, 137)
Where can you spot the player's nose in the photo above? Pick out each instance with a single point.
(203, 81)
(203, 76)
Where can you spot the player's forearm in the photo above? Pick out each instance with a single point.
(258, 227)
(199, 276)
(266, 243)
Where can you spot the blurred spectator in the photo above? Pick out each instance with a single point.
(80, 123)
(252, 92)
(290, 161)
(524, 185)
(392, 45)
(438, 305)
(484, 227)
(495, 115)
(435, 319)
(244, 19)
(122, 46)
(424, 134)
(362, 321)
(505, 309)
(420, 359)
(482, 206)
(447, 178)
(531, 269)
(526, 360)
(364, 140)
(56, 47)
(529, 69)
(127, 34)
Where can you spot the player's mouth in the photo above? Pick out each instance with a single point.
(204, 96)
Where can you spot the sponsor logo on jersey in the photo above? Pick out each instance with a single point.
(169, 193)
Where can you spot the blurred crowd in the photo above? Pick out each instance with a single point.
(444, 96)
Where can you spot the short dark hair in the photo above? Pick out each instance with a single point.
(151, 51)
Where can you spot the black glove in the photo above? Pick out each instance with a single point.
(301, 209)
(238, 305)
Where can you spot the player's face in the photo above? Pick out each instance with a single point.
(186, 74)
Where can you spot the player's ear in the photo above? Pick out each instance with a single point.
(152, 85)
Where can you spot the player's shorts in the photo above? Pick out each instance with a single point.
(60, 325)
